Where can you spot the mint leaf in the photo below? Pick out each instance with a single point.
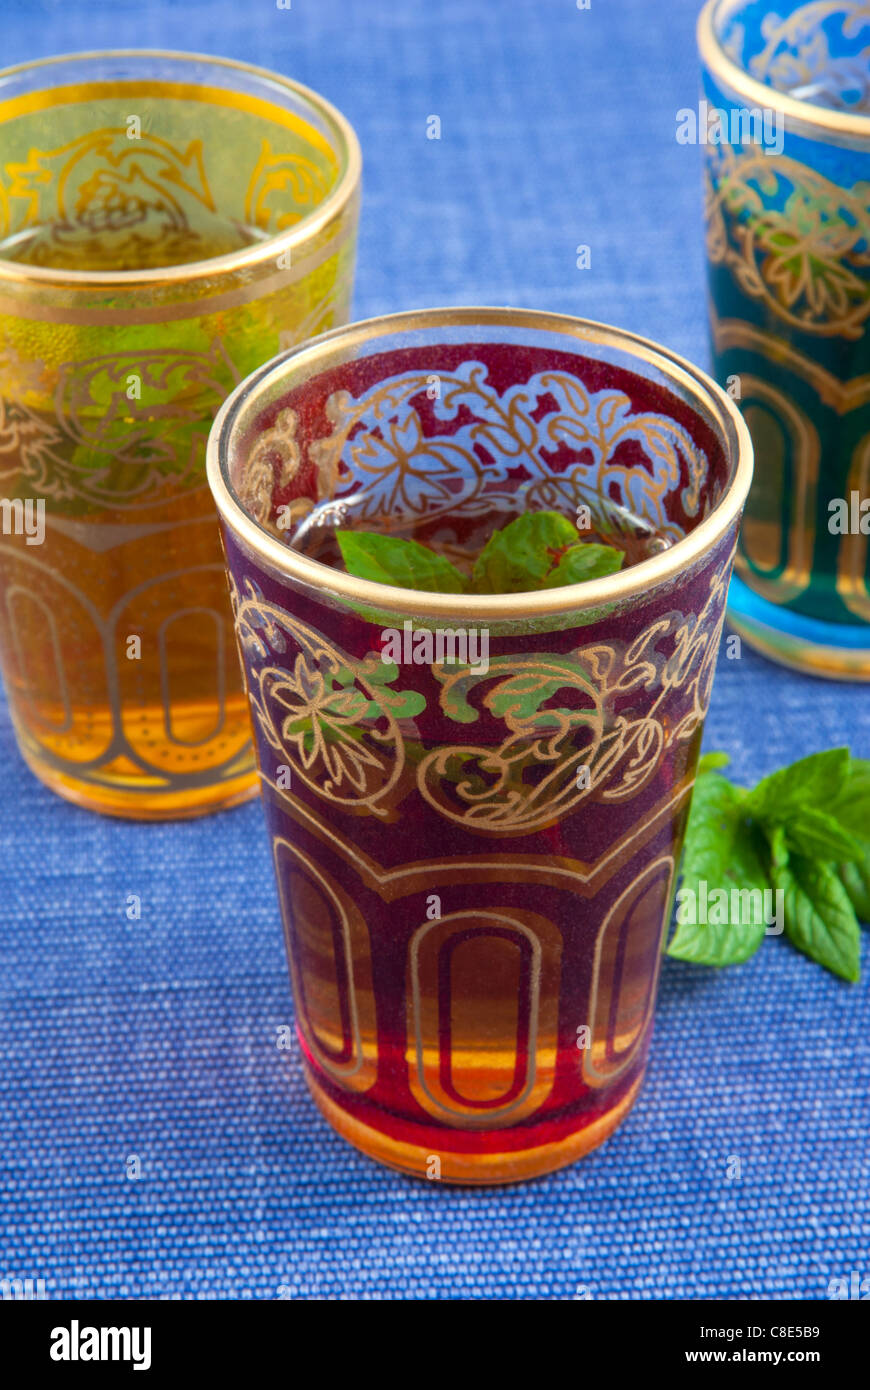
(819, 917)
(778, 847)
(822, 802)
(855, 878)
(812, 781)
(711, 762)
(850, 807)
(583, 561)
(390, 560)
(519, 557)
(716, 807)
(789, 826)
(722, 855)
(817, 834)
(539, 550)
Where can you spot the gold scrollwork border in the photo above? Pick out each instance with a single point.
(585, 878)
(345, 151)
(842, 396)
(701, 394)
(801, 117)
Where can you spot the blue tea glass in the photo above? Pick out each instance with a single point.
(785, 124)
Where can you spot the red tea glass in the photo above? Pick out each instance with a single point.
(476, 804)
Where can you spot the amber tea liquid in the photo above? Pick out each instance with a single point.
(123, 675)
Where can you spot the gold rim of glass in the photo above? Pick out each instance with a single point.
(347, 149)
(799, 115)
(339, 344)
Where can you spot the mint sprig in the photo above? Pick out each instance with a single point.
(389, 560)
(722, 851)
(855, 878)
(539, 550)
(804, 832)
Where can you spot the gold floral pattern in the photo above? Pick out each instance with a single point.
(259, 476)
(531, 779)
(803, 56)
(105, 189)
(335, 720)
(123, 425)
(791, 238)
(276, 174)
(105, 200)
(381, 462)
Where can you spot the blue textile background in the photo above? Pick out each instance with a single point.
(157, 1038)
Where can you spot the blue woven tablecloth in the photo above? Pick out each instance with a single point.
(156, 1038)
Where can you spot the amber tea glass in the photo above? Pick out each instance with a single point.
(476, 804)
(167, 222)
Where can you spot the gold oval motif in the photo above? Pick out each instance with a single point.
(330, 967)
(777, 424)
(852, 577)
(625, 974)
(483, 1014)
(40, 665)
(193, 637)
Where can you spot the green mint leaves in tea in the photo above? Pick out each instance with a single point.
(538, 550)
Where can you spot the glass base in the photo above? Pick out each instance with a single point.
(142, 804)
(835, 650)
(466, 1169)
